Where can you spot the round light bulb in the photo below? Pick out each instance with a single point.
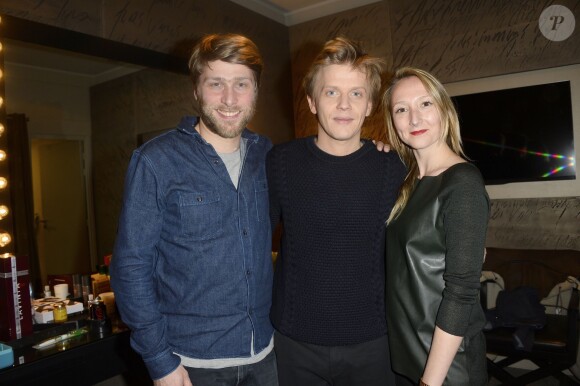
(5, 239)
(3, 211)
(2, 155)
(1, 129)
(3, 183)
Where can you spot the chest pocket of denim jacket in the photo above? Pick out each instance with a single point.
(201, 215)
(262, 200)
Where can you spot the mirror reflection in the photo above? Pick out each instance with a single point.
(50, 90)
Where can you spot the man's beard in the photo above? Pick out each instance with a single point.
(223, 128)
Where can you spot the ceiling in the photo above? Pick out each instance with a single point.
(291, 12)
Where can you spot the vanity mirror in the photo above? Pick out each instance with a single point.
(50, 78)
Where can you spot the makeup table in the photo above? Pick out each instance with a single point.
(85, 359)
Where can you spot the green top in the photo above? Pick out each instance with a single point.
(435, 253)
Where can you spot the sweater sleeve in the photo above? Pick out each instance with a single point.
(465, 217)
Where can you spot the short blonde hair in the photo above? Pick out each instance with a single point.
(345, 51)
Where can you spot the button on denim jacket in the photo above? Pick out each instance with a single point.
(192, 268)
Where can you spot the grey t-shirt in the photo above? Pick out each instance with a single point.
(233, 161)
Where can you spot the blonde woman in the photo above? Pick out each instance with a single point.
(435, 240)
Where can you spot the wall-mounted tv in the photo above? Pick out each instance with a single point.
(523, 130)
(519, 134)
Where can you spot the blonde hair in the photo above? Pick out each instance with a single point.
(449, 124)
(344, 51)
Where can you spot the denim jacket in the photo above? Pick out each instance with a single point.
(192, 268)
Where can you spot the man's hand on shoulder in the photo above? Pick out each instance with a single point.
(382, 146)
(179, 377)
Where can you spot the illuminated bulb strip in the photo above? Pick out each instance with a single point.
(5, 237)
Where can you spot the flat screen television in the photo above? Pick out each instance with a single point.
(519, 134)
(523, 130)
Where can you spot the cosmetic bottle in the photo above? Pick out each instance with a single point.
(59, 313)
(47, 293)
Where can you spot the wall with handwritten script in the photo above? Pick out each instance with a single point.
(455, 40)
(535, 223)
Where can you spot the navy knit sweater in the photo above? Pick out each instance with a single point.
(330, 275)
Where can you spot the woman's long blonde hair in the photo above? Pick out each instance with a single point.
(449, 124)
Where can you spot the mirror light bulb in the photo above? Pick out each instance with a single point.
(2, 155)
(5, 239)
(3, 211)
(3, 183)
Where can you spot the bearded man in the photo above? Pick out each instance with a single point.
(191, 268)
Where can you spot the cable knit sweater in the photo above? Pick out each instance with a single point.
(330, 275)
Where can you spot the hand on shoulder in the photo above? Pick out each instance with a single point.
(382, 146)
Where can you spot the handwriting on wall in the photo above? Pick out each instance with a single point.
(459, 40)
(160, 25)
(535, 223)
(153, 24)
(76, 15)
